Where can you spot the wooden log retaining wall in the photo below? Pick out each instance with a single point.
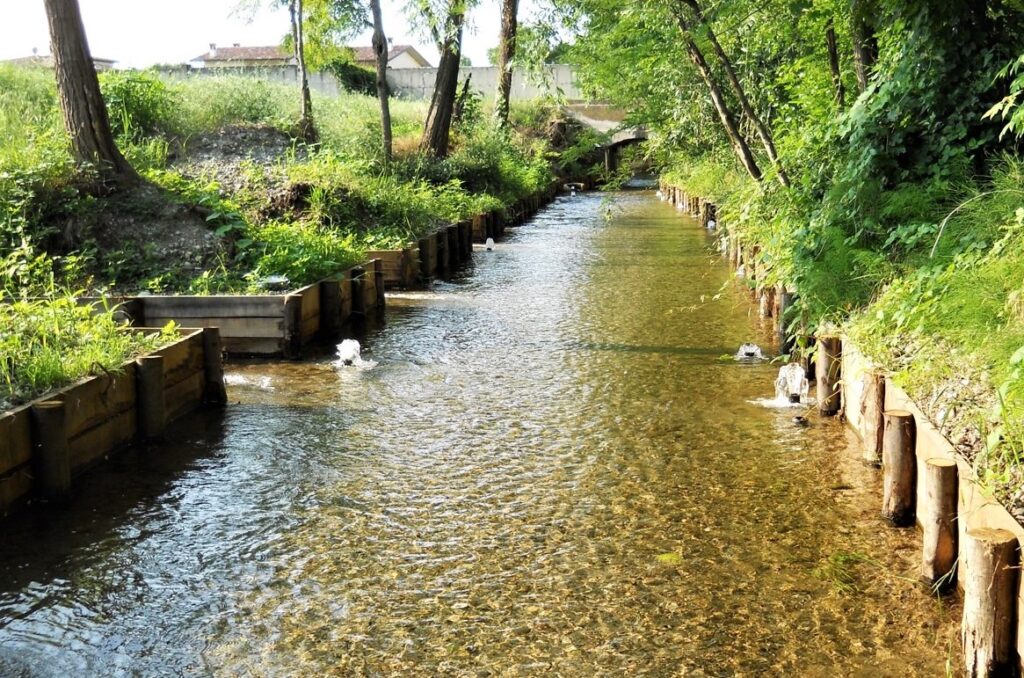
(88, 420)
(975, 513)
(442, 252)
(269, 325)
(966, 531)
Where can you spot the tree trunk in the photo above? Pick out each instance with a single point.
(380, 51)
(506, 52)
(739, 144)
(437, 130)
(741, 95)
(85, 114)
(460, 101)
(865, 47)
(833, 63)
(307, 131)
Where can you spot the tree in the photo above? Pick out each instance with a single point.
(437, 130)
(329, 24)
(739, 144)
(85, 114)
(833, 62)
(865, 46)
(295, 40)
(506, 52)
(380, 51)
(307, 130)
(741, 95)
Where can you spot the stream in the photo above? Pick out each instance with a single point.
(553, 468)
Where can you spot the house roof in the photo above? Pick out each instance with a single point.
(365, 54)
(238, 53)
(47, 61)
(277, 53)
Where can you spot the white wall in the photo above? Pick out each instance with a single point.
(403, 60)
(415, 83)
(418, 83)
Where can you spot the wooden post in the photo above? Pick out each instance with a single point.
(356, 274)
(149, 396)
(990, 574)
(454, 253)
(829, 368)
(872, 409)
(480, 228)
(425, 259)
(292, 326)
(330, 308)
(938, 523)
(784, 301)
(410, 266)
(899, 468)
(499, 222)
(378, 279)
(461, 238)
(441, 241)
(51, 458)
(213, 364)
(750, 266)
(766, 305)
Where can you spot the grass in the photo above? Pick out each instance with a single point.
(46, 344)
(347, 200)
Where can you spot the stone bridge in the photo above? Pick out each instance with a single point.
(607, 120)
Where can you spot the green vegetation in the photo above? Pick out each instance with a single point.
(51, 343)
(896, 202)
(228, 199)
(221, 149)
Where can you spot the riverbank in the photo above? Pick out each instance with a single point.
(230, 198)
(940, 317)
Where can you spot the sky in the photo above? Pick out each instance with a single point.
(139, 33)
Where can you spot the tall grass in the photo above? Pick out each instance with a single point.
(352, 199)
(46, 344)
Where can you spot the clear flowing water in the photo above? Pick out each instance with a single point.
(554, 468)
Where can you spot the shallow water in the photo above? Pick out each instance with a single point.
(550, 470)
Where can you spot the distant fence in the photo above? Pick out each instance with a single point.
(410, 83)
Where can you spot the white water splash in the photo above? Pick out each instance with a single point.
(791, 389)
(791, 385)
(263, 383)
(349, 356)
(749, 352)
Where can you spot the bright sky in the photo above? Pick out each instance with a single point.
(144, 32)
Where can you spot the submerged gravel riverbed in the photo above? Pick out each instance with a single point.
(549, 471)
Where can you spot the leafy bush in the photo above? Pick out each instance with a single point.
(139, 104)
